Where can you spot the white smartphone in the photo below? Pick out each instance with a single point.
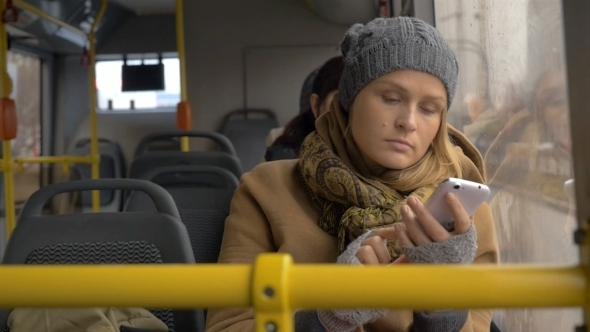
(470, 194)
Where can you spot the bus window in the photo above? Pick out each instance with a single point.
(25, 73)
(112, 98)
(511, 102)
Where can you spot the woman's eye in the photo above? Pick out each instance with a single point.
(428, 110)
(390, 100)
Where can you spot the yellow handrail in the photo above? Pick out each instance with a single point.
(95, 172)
(184, 141)
(66, 161)
(220, 286)
(34, 10)
(54, 160)
(275, 286)
(7, 161)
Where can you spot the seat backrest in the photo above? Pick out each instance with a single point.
(203, 195)
(167, 141)
(112, 165)
(247, 130)
(106, 146)
(149, 161)
(170, 144)
(104, 238)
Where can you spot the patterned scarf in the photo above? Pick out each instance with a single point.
(340, 185)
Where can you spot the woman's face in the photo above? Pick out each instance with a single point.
(552, 105)
(395, 118)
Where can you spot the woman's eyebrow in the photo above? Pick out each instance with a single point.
(402, 89)
(393, 85)
(435, 98)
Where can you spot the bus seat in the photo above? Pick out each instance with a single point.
(145, 162)
(150, 161)
(104, 238)
(202, 194)
(112, 165)
(247, 129)
(170, 141)
(169, 144)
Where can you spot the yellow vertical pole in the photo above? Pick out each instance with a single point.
(95, 170)
(95, 173)
(6, 146)
(271, 293)
(184, 142)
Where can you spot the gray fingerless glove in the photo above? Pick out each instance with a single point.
(349, 319)
(459, 249)
(450, 321)
(308, 321)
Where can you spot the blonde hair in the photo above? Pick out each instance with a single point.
(440, 162)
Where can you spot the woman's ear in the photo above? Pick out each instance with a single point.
(314, 101)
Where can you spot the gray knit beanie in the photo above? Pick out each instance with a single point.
(387, 44)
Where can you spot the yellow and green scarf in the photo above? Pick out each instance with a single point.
(340, 185)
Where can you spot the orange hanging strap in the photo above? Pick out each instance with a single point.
(8, 122)
(10, 13)
(384, 9)
(183, 116)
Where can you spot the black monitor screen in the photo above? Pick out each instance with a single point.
(143, 77)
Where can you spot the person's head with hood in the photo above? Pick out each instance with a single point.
(551, 111)
(538, 135)
(548, 101)
(317, 93)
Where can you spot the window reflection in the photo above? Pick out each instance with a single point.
(25, 74)
(512, 104)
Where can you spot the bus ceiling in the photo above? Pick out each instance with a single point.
(348, 12)
(32, 31)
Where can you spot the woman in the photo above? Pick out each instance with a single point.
(356, 194)
(528, 164)
(324, 87)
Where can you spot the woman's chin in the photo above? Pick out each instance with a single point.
(393, 165)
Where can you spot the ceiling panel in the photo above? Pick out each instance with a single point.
(145, 7)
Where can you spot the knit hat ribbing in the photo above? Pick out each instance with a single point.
(387, 44)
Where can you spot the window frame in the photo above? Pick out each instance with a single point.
(135, 57)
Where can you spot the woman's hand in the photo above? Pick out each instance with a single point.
(422, 228)
(373, 250)
(370, 249)
(425, 240)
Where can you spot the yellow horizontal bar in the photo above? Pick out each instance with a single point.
(310, 286)
(151, 286)
(55, 160)
(436, 287)
(32, 9)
